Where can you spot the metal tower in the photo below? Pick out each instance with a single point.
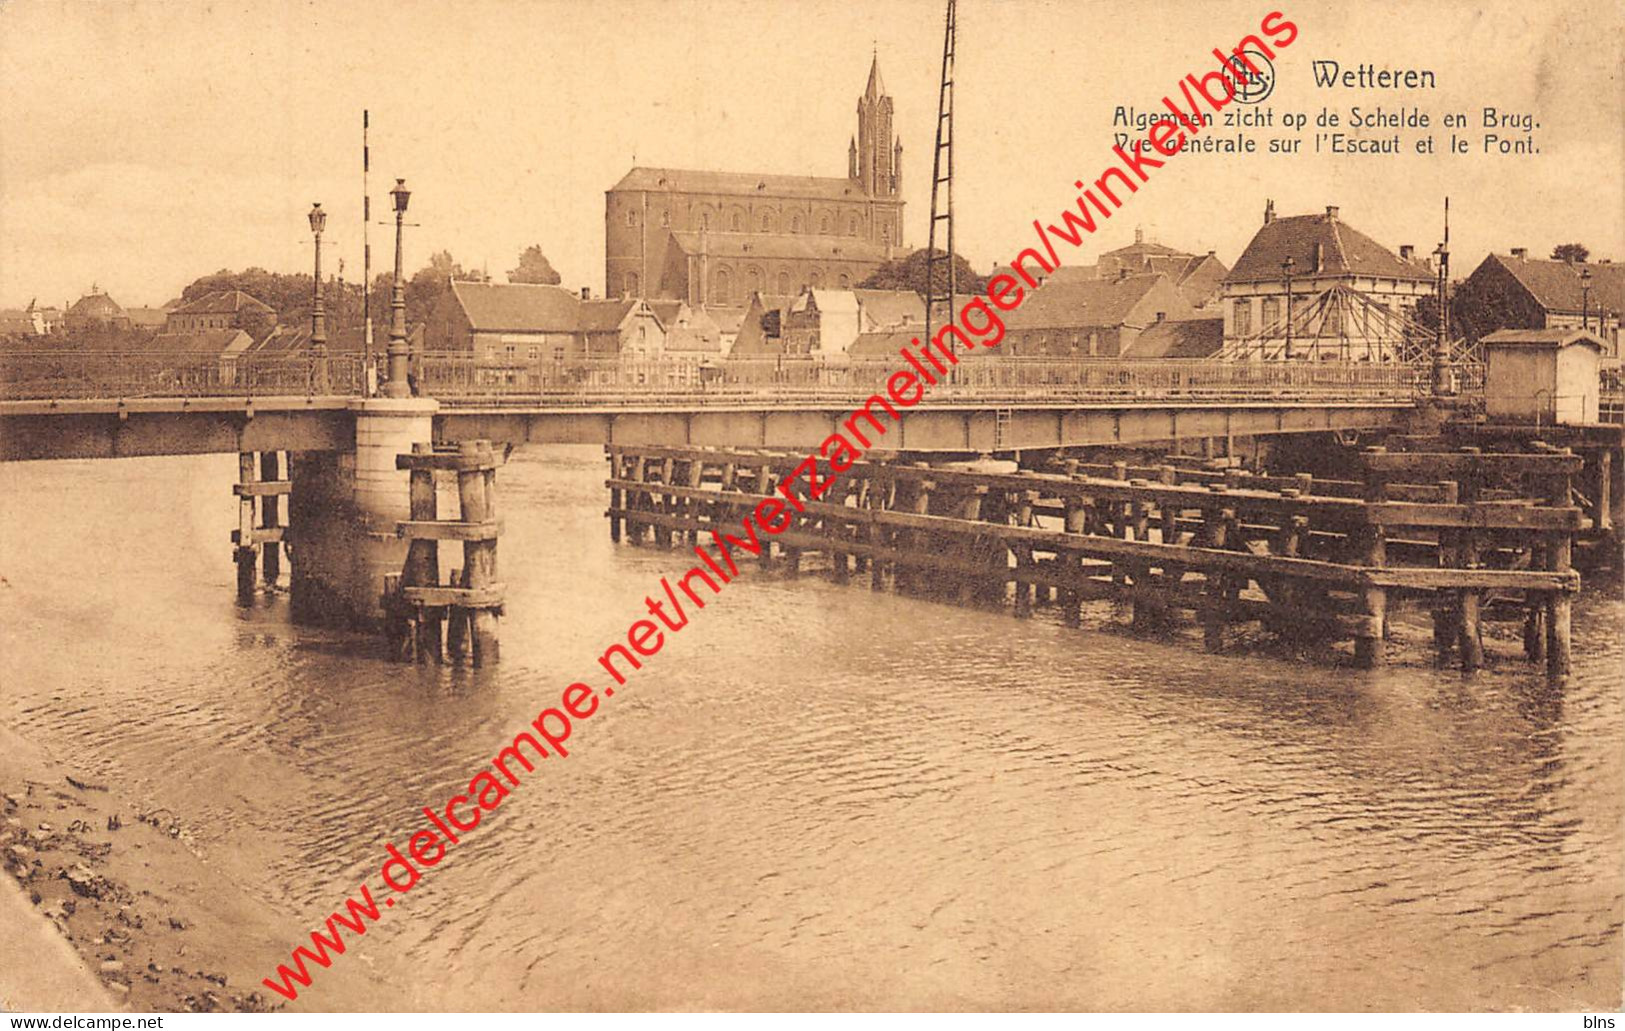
(942, 200)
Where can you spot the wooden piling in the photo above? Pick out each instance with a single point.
(1559, 604)
(246, 552)
(423, 559)
(271, 519)
(480, 556)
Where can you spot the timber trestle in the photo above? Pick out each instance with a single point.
(1470, 537)
(426, 620)
(259, 489)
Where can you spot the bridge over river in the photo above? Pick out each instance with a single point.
(86, 405)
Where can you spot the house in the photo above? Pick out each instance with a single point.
(530, 322)
(1542, 374)
(1076, 317)
(95, 311)
(761, 327)
(728, 321)
(1513, 291)
(1199, 278)
(824, 323)
(690, 332)
(1183, 338)
(1351, 298)
(150, 319)
(221, 309)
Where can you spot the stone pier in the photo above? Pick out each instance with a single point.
(343, 510)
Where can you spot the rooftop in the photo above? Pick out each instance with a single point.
(1344, 251)
(739, 184)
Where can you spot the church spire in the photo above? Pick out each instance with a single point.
(877, 156)
(877, 85)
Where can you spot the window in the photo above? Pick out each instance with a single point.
(1271, 313)
(795, 223)
(767, 222)
(511, 350)
(784, 282)
(1243, 317)
(739, 222)
(665, 219)
(845, 281)
(721, 287)
(823, 225)
(1094, 343)
(816, 279)
(852, 226)
(535, 353)
(705, 220)
(885, 233)
(558, 353)
(631, 288)
(631, 217)
(1077, 340)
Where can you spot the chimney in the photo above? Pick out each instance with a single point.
(1407, 252)
(1320, 256)
(1520, 253)
(1139, 235)
(1269, 212)
(1161, 315)
(586, 293)
(1122, 273)
(1331, 212)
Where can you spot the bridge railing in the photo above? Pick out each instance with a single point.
(467, 379)
(71, 375)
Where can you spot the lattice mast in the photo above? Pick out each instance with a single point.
(942, 191)
(1441, 343)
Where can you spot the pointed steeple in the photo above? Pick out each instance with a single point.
(852, 158)
(877, 85)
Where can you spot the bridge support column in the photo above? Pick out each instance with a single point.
(343, 512)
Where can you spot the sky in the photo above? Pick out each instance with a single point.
(144, 144)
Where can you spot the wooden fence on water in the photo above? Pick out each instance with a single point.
(1471, 536)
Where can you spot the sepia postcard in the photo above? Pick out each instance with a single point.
(811, 506)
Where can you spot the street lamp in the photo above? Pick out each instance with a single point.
(318, 315)
(1585, 299)
(1286, 273)
(397, 385)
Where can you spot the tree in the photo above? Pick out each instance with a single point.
(909, 273)
(1570, 252)
(534, 268)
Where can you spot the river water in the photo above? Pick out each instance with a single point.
(819, 796)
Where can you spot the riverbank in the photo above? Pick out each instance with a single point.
(140, 921)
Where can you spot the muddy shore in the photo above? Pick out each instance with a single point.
(149, 918)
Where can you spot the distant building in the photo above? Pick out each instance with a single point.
(1076, 317)
(221, 309)
(94, 311)
(690, 332)
(1351, 296)
(824, 323)
(153, 319)
(761, 327)
(1513, 291)
(533, 322)
(1199, 278)
(717, 238)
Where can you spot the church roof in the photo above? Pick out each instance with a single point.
(790, 246)
(1344, 251)
(739, 184)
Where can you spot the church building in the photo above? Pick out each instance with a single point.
(716, 238)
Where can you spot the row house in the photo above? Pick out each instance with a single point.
(1514, 291)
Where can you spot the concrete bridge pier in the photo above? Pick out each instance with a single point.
(343, 509)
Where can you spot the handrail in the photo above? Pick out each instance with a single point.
(464, 379)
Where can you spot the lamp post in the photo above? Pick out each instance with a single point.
(1585, 299)
(1442, 382)
(1286, 274)
(318, 314)
(397, 385)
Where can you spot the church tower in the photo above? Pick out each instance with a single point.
(879, 153)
